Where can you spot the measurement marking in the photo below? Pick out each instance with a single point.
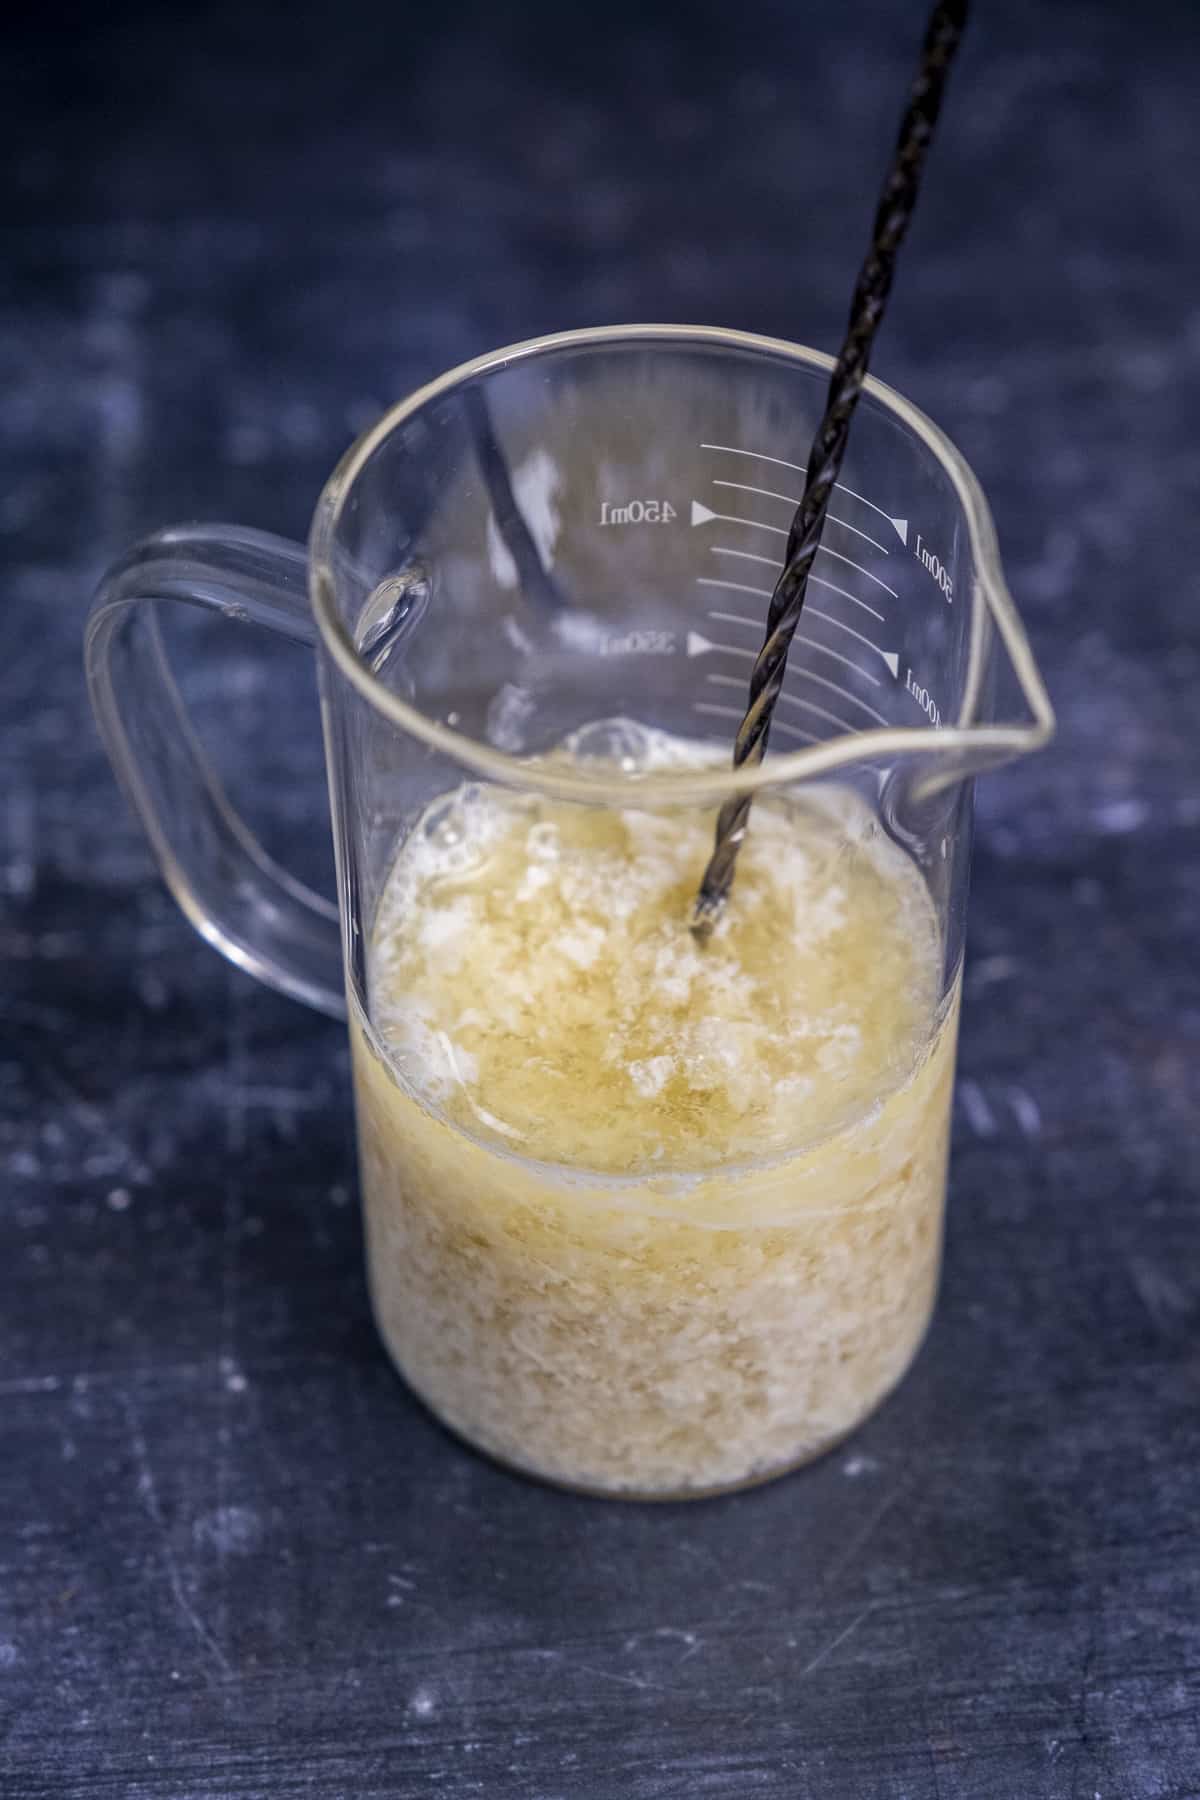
(771, 494)
(696, 645)
(735, 619)
(834, 719)
(701, 515)
(746, 555)
(738, 587)
(725, 649)
(808, 675)
(801, 638)
(822, 551)
(936, 569)
(890, 657)
(741, 587)
(772, 563)
(838, 657)
(735, 712)
(820, 581)
(724, 712)
(793, 700)
(794, 731)
(899, 525)
(637, 512)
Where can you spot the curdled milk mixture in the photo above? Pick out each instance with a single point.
(643, 1216)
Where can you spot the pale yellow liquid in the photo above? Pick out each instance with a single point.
(642, 1216)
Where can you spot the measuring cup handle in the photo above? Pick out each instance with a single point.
(228, 887)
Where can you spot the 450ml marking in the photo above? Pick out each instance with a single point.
(637, 512)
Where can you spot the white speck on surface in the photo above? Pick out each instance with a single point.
(119, 1199)
(828, 1650)
(231, 1530)
(980, 1117)
(1147, 370)
(300, 425)
(854, 1466)
(690, 1641)
(991, 969)
(423, 1703)
(1026, 1112)
(8, 1653)
(151, 990)
(1004, 841)
(401, 1587)
(21, 873)
(147, 1491)
(1121, 816)
(989, 394)
(1166, 1302)
(120, 414)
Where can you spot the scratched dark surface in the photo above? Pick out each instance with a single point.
(235, 1559)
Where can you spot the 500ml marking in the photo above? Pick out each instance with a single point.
(923, 697)
(936, 568)
(637, 512)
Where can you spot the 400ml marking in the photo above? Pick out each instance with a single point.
(923, 698)
(936, 568)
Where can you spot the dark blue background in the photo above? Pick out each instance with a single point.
(235, 1558)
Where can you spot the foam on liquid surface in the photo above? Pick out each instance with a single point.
(533, 978)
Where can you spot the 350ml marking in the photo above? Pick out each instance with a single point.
(936, 568)
(637, 512)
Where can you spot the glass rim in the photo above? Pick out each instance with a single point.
(602, 783)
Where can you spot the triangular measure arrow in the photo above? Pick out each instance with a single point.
(901, 530)
(701, 514)
(697, 645)
(892, 660)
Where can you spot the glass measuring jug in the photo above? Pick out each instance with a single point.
(536, 588)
